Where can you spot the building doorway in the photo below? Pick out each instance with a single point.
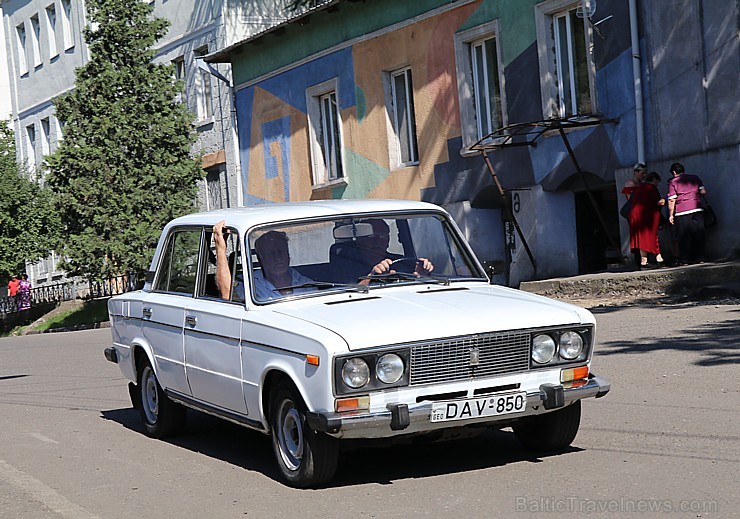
(596, 246)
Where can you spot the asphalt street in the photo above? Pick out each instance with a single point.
(664, 443)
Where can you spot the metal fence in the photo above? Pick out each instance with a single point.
(73, 290)
(113, 286)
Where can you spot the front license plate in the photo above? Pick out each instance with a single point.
(450, 410)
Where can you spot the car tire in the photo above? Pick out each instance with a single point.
(549, 432)
(306, 458)
(161, 416)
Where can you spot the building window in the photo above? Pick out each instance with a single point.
(46, 130)
(36, 40)
(20, 33)
(31, 147)
(51, 30)
(566, 65)
(203, 89)
(325, 131)
(403, 118)
(480, 82)
(179, 70)
(213, 188)
(67, 24)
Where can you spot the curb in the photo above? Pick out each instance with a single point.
(76, 328)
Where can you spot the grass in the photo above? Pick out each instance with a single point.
(90, 312)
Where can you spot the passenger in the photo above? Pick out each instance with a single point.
(274, 257)
(276, 272)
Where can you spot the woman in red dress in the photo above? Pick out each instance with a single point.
(645, 219)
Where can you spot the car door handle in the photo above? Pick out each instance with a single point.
(146, 311)
(191, 320)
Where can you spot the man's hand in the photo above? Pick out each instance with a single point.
(424, 267)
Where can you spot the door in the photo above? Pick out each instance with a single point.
(212, 332)
(163, 310)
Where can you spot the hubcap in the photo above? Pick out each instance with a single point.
(290, 435)
(149, 399)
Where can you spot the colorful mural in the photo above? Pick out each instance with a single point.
(273, 120)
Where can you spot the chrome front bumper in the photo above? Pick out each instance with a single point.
(404, 419)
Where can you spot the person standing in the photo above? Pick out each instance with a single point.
(24, 293)
(13, 287)
(638, 178)
(645, 219)
(686, 213)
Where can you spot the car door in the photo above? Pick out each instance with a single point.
(212, 333)
(163, 309)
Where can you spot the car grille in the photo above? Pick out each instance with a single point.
(455, 359)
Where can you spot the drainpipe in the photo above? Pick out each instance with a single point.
(636, 60)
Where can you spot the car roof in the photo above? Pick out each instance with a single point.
(247, 217)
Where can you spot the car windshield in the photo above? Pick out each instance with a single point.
(295, 259)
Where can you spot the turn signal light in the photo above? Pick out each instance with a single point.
(312, 360)
(342, 405)
(566, 375)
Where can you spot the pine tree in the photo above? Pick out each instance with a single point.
(124, 167)
(28, 221)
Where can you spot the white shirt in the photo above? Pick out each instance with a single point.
(264, 290)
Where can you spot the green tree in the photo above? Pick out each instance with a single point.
(125, 166)
(28, 220)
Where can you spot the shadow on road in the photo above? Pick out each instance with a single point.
(715, 345)
(363, 462)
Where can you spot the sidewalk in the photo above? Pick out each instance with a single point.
(693, 282)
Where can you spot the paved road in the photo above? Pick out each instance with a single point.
(667, 436)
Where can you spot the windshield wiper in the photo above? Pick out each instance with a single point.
(405, 276)
(325, 284)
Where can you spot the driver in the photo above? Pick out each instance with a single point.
(375, 251)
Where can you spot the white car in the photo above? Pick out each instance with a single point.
(387, 326)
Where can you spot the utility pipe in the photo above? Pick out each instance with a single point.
(636, 62)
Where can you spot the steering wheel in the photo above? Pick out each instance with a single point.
(405, 264)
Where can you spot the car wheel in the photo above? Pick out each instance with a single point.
(161, 416)
(306, 458)
(550, 431)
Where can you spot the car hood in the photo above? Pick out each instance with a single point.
(407, 314)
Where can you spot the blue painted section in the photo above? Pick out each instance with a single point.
(291, 85)
(277, 131)
(243, 101)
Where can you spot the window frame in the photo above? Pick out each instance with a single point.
(36, 40)
(51, 29)
(203, 89)
(67, 24)
(549, 52)
(315, 98)
(395, 143)
(464, 44)
(163, 269)
(31, 137)
(21, 39)
(46, 134)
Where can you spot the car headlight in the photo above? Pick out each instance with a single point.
(389, 368)
(355, 373)
(543, 349)
(571, 345)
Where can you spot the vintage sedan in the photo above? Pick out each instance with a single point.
(322, 321)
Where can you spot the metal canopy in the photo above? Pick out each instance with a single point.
(527, 134)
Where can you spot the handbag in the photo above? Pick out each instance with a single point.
(626, 208)
(710, 217)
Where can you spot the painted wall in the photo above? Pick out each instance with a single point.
(357, 43)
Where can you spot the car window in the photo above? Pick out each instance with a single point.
(208, 288)
(305, 258)
(179, 267)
